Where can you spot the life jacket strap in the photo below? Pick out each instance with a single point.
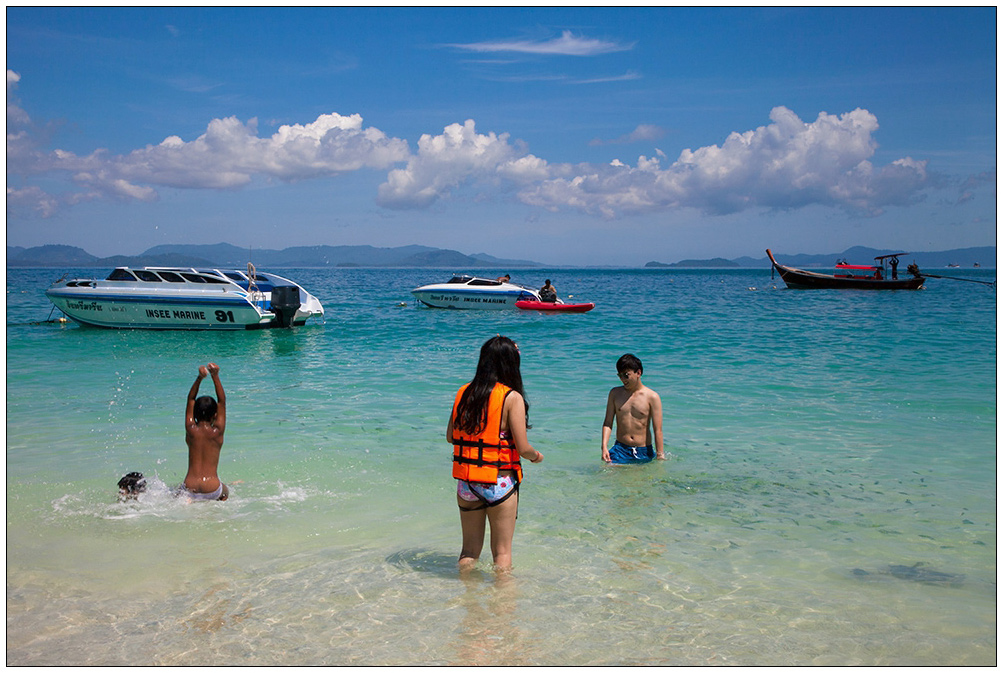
(481, 462)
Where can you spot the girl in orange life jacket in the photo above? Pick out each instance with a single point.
(488, 431)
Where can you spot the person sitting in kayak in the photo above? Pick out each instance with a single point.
(548, 293)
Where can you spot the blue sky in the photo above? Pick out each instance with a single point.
(562, 135)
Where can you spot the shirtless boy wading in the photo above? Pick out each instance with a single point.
(638, 412)
(205, 421)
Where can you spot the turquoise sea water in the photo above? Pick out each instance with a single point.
(830, 499)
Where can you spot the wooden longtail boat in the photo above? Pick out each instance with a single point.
(875, 279)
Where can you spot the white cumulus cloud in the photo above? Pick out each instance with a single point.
(786, 164)
(458, 155)
(21, 136)
(229, 155)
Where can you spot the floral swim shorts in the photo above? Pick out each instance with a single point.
(488, 494)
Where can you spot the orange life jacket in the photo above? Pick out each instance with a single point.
(479, 458)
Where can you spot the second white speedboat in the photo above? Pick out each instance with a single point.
(471, 292)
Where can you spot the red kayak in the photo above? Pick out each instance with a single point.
(530, 305)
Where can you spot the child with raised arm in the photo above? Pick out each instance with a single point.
(205, 422)
(638, 410)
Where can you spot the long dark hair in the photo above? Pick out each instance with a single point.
(499, 363)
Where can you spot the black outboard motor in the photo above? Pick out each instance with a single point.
(285, 302)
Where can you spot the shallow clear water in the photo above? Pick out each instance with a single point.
(831, 496)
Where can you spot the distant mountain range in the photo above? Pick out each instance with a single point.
(227, 255)
(963, 257)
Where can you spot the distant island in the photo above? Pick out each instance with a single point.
(716, 263)
(985, 256)
(350, 256)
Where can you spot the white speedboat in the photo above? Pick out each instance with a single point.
(185, 298)
(463, 291)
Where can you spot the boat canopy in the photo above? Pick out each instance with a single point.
(160, 274)
(472, 280)
(895, 254)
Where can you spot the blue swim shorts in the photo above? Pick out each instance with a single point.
(622, 453)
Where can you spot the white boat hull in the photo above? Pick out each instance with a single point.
(105, 310)
(443, 296)
(185, 306)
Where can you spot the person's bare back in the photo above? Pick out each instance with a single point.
(205, 423)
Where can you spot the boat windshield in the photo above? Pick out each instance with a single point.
(120, 274)
(213, 276)
(199, 278)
